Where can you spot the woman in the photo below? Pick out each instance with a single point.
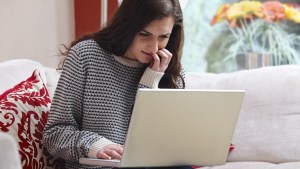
(139, 48)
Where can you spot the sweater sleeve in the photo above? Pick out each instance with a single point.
(62, 136)
(150, 79)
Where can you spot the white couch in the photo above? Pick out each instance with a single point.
(31, 113)
(268, 130)
(267, 134)
(9, 158)
(15, 71)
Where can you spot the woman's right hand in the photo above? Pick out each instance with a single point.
(161, 60)
(113, 151)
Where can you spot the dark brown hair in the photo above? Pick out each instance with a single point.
(133, 16)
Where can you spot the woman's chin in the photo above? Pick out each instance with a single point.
(145, 61)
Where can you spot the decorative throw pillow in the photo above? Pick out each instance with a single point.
(23, 114)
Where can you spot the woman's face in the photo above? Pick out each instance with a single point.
(152, 38)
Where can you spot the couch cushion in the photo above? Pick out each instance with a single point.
(269, 122)
(15, 71)
(52, 76)
(23, 114)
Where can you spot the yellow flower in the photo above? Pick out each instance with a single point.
(244, 9)
(292, 13)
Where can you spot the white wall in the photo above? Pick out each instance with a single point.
(34, 29)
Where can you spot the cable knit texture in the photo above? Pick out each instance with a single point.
(93, 102)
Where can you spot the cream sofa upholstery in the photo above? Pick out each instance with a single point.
(9, 157)
(14, 71)
(267, 134)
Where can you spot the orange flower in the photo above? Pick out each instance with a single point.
(273, 11)
(221, 14)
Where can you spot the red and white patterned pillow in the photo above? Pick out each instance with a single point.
(23, 114)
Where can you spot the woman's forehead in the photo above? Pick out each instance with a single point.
(160, 26)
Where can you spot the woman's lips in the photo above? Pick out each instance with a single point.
(146, 53)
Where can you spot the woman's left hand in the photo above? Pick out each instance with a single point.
(161, 60)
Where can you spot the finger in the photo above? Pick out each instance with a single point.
(169, 54)
(103, 155)
(156, 62)
(113, 154)
(164, 58)
(118, 148)
(151, 64)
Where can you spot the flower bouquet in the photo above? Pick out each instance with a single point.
(261, 27)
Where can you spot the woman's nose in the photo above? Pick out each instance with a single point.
(153, 46)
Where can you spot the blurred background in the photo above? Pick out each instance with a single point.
(35, 29)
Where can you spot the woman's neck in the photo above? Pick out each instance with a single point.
(128, 62)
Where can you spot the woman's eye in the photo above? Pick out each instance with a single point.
(164, 37)
(144, 34)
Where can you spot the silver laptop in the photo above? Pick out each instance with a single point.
(175, 127)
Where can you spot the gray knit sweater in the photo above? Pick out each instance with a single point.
(93, 102)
